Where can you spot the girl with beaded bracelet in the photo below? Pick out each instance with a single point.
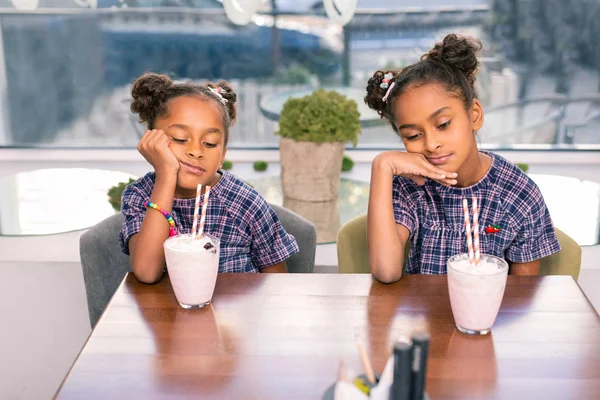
(186, 142)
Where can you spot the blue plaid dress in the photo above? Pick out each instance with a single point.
(251, 234)
(434, 215)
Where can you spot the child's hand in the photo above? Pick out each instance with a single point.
(414, 166)
(154, 146)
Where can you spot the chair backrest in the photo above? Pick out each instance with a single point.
(306, 236)
(567, 261)
(352, 250)
(104, 265)
(353, 254)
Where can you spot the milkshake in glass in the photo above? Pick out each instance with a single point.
(476, 291)
(193, 265)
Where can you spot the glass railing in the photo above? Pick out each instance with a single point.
(66, 73)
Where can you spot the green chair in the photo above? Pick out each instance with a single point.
(353, 254)
(565, 262)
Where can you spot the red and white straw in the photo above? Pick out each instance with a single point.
(196, 211)
(476, 230)
(468, 231)
(203, 216)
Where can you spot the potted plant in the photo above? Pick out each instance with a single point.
(260, 166)
(347, 164)
(314, 130)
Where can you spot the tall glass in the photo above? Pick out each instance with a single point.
(193, 265)
(476, 292)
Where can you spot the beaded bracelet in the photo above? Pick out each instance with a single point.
(172, 231)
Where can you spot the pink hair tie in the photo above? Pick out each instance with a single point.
(389, 91)
(385, 84)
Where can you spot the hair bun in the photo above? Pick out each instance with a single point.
(458, 52)
(376, 93)
(228, 95)
(149, 90)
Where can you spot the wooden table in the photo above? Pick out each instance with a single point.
(281, 336)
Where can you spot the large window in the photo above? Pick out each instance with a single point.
(66, 68)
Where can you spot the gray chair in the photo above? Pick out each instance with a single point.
(104, 265)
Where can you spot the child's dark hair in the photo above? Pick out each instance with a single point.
(151, 92)
(451, 63)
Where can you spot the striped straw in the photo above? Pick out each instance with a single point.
(203, 216)
(196, 210)
(476, 230)
(468, 231)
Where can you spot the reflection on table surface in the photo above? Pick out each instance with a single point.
(55, 200)
(282, 336)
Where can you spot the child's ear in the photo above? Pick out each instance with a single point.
(476, 115)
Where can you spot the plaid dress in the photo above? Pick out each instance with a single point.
(433, 213)
(250, 232)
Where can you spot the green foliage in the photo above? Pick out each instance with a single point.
(347, 164)
(297, 75)
(260, 165)
(115, 193)
(524, 167)
(227, 165)
(323, 116)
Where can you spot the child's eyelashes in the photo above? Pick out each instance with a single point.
(181, 141)
(440, 127)
(444, 125)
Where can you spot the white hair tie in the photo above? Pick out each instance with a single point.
(219, 92)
